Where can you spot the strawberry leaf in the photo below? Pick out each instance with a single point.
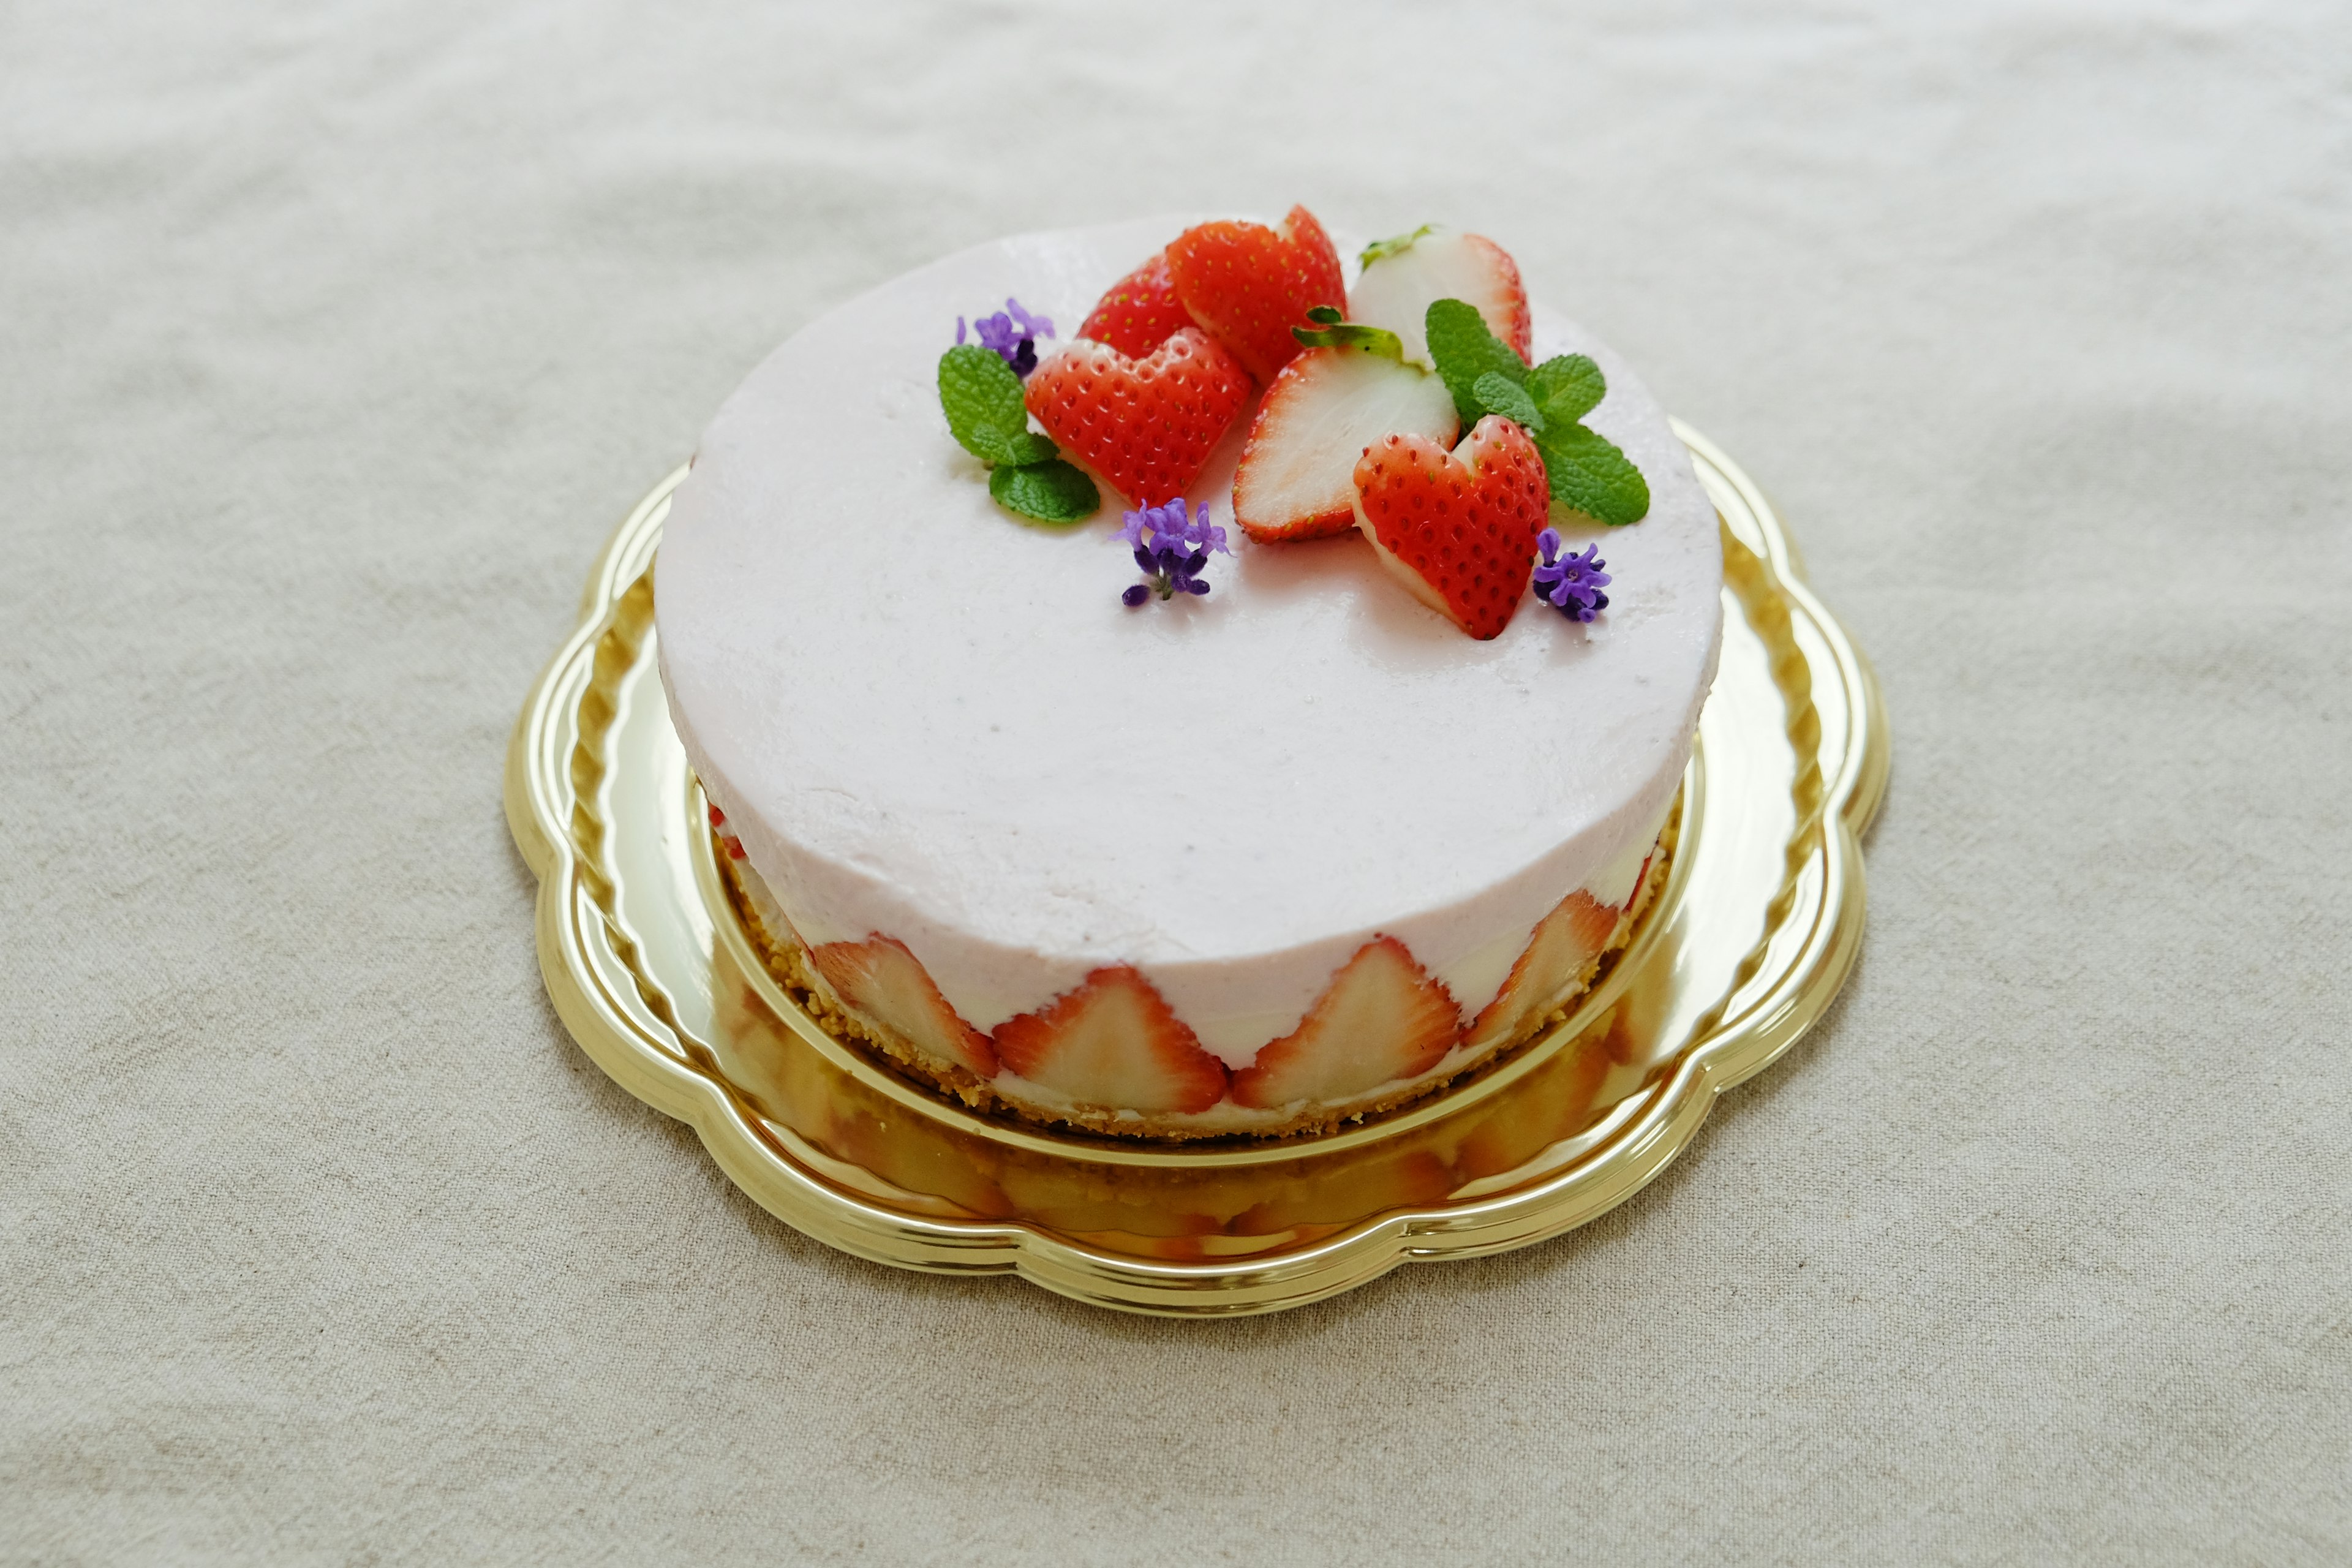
(1330, 332)
(1052, 491)
(1497, 393)
(1590, 475)
(1463, 349)
(1567, 388)
(1380, 249)
(981, 397)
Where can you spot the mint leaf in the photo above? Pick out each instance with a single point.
(1382, 248)
(1463, 349)
(1051, 492)
(1017, 451)
(1498, 394)
(1590, 475)
(982, 398)
(1567, 388)
(1027, 449)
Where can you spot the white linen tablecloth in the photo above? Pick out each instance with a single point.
(336, 338)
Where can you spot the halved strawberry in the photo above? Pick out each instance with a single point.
(1113, 1042)
(1404, 276)
(1139, 312)
(1458, 528)
(1565, 941)
(1296, 478)
(881, 979)
(1146, 425)
(1383, 1017)
(1249, 284)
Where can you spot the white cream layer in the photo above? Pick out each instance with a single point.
(929, 720)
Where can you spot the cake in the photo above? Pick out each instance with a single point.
(1221, 714)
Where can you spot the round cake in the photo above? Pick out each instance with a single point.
(1018, 805)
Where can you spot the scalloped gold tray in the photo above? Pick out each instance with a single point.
(1743, 949)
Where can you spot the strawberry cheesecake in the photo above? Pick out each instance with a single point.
(1182, 680)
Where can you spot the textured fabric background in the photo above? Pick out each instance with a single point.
(334, 340)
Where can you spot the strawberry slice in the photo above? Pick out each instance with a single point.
(1146, 425)
(1297, 474)
(1565, 941)
(1382, 1018)
(727, 838)
(1139, 312)
(1457, 528)
(1113, 1043)
(879, 978)
(1249, 284)
(1404, 276)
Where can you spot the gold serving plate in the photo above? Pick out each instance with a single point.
(1742, 951)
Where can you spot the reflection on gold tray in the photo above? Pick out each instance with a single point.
(1749, 940)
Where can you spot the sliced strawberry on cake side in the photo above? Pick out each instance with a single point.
(1248, 285)
(881, 979)
(1405, 276)
(1298, 473)
(1139, 312)
(1383, 1018)
(727, 838)
(1146, 425)
(1457, 528)
(1113, 1043)
(1571, 936)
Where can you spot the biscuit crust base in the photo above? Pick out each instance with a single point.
(788, 963)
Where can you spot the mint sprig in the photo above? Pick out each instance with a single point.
(1330, 332)
(1587, 472)
(981, 396)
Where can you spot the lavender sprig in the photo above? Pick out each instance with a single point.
(1571, 584)
(1012, 334)
(1171, 545)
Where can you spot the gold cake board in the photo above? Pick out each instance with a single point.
(1738, 954)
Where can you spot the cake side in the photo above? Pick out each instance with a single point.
(1559, 963)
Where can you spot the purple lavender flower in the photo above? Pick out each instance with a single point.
(1012, 334)
(1174, 525)
(1171, 545)
(1571, 584)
